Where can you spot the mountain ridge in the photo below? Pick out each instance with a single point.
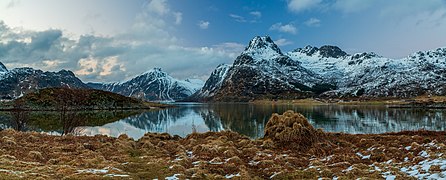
(19, 81)
(153, 85)
(325, 72)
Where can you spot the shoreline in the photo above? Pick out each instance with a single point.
(438, 102)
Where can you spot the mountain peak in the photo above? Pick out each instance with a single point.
(155, 70)
(326, 51)
(331, 51)
(3, 68)
(262, 47)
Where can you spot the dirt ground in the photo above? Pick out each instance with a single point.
(291, 149)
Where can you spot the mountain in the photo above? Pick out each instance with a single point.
(153, 85)
(3, 69)
(261, 71)
(19, 81)
(368, 75)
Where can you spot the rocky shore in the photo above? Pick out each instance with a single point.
(291, 149)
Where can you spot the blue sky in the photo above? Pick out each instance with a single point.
(114, 40)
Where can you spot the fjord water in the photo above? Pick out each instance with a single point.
(247, 119)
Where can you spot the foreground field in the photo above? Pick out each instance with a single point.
(291, 149)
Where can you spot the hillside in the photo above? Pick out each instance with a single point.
(79, 99)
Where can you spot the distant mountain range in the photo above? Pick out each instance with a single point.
(19, 81)
(263, 71)
(154, 85)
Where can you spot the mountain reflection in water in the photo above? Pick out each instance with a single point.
(250, 120)
(247, 119)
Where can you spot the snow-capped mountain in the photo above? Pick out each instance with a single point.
(19, 81)
(154, 85)
(369, 75)
(260, 71)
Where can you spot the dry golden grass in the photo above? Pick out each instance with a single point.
(291, 149)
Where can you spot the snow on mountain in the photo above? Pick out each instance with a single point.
(370, 75)
(260, 71)
(19, 81)
(154, 85)
(213, 84)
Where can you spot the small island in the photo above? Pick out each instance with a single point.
(66, 99)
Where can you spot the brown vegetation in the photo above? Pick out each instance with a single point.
(291, 149)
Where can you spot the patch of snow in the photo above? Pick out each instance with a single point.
(421, 170)
(274, 175)
(423, 154)
(173, 177)
(116, 175)
(229, 176)
(362, 156)
(253, 163)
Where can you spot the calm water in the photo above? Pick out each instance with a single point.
(243, 118)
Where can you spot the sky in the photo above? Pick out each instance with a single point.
(115, 40)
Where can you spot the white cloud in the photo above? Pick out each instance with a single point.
(285, 28)
(283, 42)
(238, 18)
(302, 5)
(158, 6)
(313, 22)
(256, 14)
(203, 24)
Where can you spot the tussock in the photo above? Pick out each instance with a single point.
(291, 130)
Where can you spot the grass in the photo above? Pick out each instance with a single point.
(299, 152)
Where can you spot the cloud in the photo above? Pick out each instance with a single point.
(203, 24)
(256, 14)
(285, 28)
(158, 6)
(282, 42)
(238, 18)
(253, 18)
(313, 22)
(302, 5)
(178, 17)
(352, 6)
(232, 49)
(145, 45)
(13, 3)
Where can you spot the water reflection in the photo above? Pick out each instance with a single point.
(243, 118)
(250, 120)
(59, 122)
